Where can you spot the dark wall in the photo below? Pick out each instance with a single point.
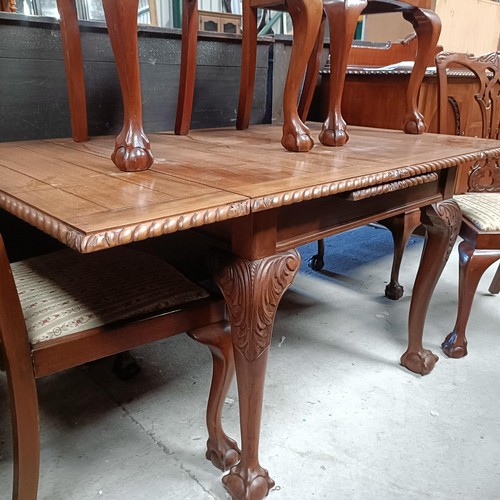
(33, 97)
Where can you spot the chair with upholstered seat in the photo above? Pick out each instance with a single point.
(63, 309)
(478, 191)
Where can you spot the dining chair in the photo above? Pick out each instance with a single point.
(478, 190)
(306, 19)
(64, 309)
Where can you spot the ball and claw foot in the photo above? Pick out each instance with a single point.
(223, 453)
(452, 349)
(297, 140)
(132, 159)
(333, 138)
(414, 124)
(132, 150)
(394, 290)
(125, 367)
(316, 263)
(252, 485)
(421, 362)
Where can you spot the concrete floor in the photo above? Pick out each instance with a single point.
(342, 419)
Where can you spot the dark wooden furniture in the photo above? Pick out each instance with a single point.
(306, 17)
(63, 309)
(257, 203)
(478, 188)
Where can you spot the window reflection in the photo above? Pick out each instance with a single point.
(87, 9)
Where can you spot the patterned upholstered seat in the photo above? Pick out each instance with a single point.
(60, 297)
(482, 209)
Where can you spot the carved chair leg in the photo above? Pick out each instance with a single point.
(248, 63)
(342, 17)
(473, 264)
(312, 72)
(132, 149)
(401, 227)
(495, 283)
(316, 262)
(222, 451)
(427, 26)
(73, 62)
(306, 18)
(442, 222)
(252, 290)
(188, 66)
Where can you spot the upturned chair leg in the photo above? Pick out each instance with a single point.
(401, 227)
(73, 62)
(222, 451)
(427, 26)
(306, 18)
(495, 284)
(312, 72)
(248, 64)
(473, 263)
(343, 18)
(188, 66)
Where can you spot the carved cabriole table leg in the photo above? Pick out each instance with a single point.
(132, 150)
(252, 290)
(442, 222)
(306, 17)
(342, 18)
(427, 26)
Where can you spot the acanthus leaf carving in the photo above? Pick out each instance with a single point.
(485, 175)
(252, 290)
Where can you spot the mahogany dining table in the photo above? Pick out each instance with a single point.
(256, 203)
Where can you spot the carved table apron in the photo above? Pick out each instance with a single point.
(257, 203)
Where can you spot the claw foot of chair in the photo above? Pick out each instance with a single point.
(248, 484)
(333, 138)
(132, 152)
(394, 290)
(454, 347)
(223, 453)
(316, 263)
(421, 362)
(297, 139)
(414, 124)
(125, 366)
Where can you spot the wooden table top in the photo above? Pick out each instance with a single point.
(73, 192)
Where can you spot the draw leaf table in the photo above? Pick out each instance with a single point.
(257, 203)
